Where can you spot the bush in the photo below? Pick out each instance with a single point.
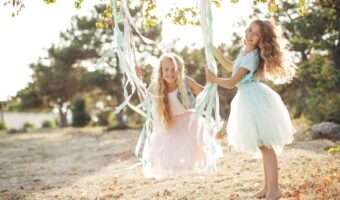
(323, 102)
(104, 118)
(28, 125)
(12, 130)
(80, 117)
(334, 150)
(2, 126)
(324, 108)
(48, 124)
(316, 91)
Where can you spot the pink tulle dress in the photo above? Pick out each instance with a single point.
(182, 150)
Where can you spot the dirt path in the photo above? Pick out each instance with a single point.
(91, 164)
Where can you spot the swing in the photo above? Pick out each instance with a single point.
(207, 101)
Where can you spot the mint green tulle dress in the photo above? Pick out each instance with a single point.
(258, 117)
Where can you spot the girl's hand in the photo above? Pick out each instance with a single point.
(209, 75)
(220, 135)
(138, 70)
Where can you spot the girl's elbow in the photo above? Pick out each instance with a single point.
(200, 90)
(197, 92)
(227, 86)
(231, 85)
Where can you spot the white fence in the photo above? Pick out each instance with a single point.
(16, 120)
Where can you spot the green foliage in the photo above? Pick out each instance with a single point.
(80, 117)
(2, 126)
(319, 29)
(61, 76)
(149, 19)
(57, 79)
(178, 15)
(189, 15)
(105, 18)
(184, 16)
(216, 3)
(315, 38)
(78, 3)
(272, 6)
(48, 124)
(314, 92)
(49, 1)
(104, 118)
(28, 125)
(334, 150)
(26, 99)
(324, 99)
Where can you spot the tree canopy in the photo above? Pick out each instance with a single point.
(314, 36)
(182, 16)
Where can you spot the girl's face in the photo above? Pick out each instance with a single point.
(253, 35)
(169, 71)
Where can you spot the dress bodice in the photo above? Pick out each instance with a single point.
(249, 61)
(176, 106)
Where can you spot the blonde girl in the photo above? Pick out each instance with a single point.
(178, 145)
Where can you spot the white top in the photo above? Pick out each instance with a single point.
(176, 107)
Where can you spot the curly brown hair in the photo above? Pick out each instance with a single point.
(273, 47)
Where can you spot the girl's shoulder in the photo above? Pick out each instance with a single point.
(252, 53)
(252, 56)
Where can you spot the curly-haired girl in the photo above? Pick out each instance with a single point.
(258, 120)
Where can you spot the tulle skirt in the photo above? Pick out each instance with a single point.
(258, 117)
(183, 150)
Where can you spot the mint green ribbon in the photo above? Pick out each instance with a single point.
(207, 101)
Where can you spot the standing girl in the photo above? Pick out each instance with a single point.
(178, 145)
(259, 121)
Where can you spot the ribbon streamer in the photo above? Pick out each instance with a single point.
(207, 101)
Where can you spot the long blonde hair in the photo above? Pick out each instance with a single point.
(273, 63)
(162, 101)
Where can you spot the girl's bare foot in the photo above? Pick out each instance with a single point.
(261, 194)
(274, 195)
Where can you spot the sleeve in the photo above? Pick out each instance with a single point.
(250, 61)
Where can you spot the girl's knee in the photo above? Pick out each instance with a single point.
(265, 148)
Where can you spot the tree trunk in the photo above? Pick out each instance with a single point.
(336, 59)
(2, 120)
(62, 115)
(120, 120)
(302, 106)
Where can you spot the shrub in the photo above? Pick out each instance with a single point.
(80, 117)
(28, 125)
(2, 126)
(48, 124)
(104, 118)
(334, 150)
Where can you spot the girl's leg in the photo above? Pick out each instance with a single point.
(262, 193)
(271, 167)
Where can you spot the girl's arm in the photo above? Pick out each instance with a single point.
(226, 63)
(226, 82)
(195, 87)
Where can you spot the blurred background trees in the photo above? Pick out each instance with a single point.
(67, 81)
(315, 37)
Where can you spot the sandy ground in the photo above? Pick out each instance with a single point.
(92, 164)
